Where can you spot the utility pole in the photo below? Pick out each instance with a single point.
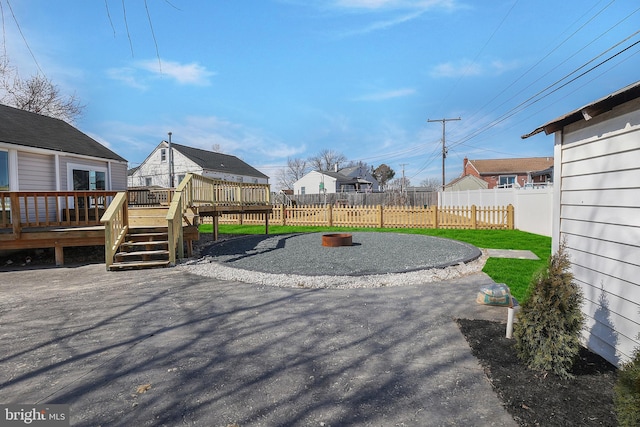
(444, 147)
(402, 183)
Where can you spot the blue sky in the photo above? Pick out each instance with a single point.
(270, 79)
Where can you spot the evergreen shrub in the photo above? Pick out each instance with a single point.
(549, 323)
(627, 393)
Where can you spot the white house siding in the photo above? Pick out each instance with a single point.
(36, 172)
(598, 215)
(67, 161)
(158, 170)
(311, 183)
(118, 176)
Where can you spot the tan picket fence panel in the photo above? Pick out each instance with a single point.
(458, 217)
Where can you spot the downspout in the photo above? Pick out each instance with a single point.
(56, 159)
(14, 183)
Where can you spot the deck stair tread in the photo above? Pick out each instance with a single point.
(156, 243)
(138, 264)
(142, 253)
(143, 247)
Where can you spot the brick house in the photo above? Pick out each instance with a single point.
(503, 173)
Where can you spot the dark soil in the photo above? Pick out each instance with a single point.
(536, 399)
(30, 258)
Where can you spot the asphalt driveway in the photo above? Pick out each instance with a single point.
(165, 347)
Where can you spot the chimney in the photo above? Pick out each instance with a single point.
(336, 168)
(464, 166)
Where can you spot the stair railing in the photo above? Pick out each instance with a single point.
(196, 190)
(116, 226)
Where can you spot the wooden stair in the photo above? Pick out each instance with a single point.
(144, 247)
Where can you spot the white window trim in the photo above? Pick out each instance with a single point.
(78, 166)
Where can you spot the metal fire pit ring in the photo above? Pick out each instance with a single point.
(336, 240)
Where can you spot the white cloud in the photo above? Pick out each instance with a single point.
(140, 73)
(373, 5)
(255, 146)
(127, 76)
(467, 68)
(186, 74)
(390, 94)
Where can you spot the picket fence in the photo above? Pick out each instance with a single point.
(466, 217)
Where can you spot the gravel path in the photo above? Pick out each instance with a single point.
(374, 260)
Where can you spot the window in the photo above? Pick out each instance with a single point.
(89, 180)
(163, 155)
(507, 180)
(302, 190)
(4, 171)
(147, 182)
(180, 178)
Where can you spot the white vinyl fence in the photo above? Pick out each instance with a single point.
(533, 206)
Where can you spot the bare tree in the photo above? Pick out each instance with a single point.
(295, 169)
(431, 183)
(383, 174)
(36, 94)
(326, 160)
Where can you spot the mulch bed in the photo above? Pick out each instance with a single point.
(535, 399)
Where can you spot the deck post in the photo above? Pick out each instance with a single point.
(15, 214)
(59, 254)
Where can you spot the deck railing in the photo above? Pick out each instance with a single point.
(116, 226)
(197, 190)
(21, 209)
(149, 196)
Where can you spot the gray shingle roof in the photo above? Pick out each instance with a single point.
(218, 162)
(21, 127)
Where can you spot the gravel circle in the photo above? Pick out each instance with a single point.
(374, 260)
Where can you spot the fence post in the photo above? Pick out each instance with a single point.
(474, 220)
(434, 216)
(329, 215)
(510, 217)
(283, 214)
(380, 216)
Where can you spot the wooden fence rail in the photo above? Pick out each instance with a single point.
(465, 217)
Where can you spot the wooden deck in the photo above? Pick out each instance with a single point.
(59, 219)
(59, 238)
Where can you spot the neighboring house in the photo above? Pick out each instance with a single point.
(347, 180)
(505, 173)
(466, 182)
(596, 205)
(154, 171)
(40, 153)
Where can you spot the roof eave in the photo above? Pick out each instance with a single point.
(590, 111)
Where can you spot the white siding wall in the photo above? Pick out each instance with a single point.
(599, 218)
(36, 172)
(311, 182)
(156, 169)
(118, 176)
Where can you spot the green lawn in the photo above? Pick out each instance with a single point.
(516, 273)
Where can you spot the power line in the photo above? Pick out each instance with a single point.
(24, 38)
(540, 95)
